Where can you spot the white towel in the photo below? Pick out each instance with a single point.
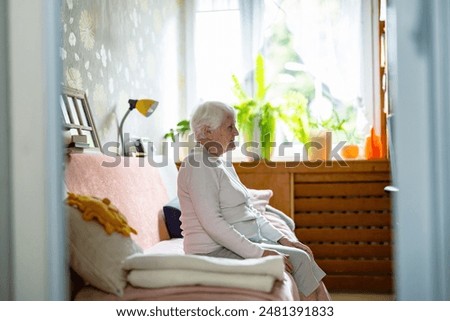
(165, 270)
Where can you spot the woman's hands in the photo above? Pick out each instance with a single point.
(287, 264)
(286, 242)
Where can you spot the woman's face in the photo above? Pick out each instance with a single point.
(221, 139)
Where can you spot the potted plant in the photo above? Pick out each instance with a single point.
(351, 148)
(183, 127)
(310, 130)
(256, 110)
(177, 135)
(345, 128)
(313, 133)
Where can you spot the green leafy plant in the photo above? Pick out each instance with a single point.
(294, 111)
(343, 125)
(352, 135)
(256, 110)
(335, 123)
(245, 111)
(182, 128)
(295, 114)
(267, 126)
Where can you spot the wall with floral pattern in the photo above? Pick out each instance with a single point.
(121, 49)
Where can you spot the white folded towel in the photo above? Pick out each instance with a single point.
(163, 270)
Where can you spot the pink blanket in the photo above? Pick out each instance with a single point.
(285, 290)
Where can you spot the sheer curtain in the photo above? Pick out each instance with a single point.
(217, 48)
(332, 41)
(327, 37)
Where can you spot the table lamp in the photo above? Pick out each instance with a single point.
(144, 106)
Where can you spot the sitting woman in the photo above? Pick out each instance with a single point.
(217, 216)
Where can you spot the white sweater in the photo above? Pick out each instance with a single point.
(216, 209)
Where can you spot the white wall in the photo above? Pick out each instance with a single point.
(38, 250)
(132, 51)
(420, 61)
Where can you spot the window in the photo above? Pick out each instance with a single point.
(320, 50)
(218, 50)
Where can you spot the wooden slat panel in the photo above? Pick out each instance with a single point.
(349, 283)
(342, 235)
(262, 167)
(342, 177)
(340, 189)
(342, 204)
(346, 198)
(339, 220)
(356, 267)
(351, 250)
(346, 166)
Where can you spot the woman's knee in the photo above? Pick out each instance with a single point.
(301, 256)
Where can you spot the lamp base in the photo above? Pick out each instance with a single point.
(135, 147)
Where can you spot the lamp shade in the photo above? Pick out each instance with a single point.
(145, 106)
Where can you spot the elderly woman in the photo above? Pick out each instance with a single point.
(218, 218)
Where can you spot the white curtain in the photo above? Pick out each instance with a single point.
(334, 41)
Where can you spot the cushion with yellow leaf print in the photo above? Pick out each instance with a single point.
(99, 243)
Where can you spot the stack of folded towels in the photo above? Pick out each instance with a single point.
(166, 270)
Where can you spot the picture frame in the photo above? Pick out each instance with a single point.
(78, 123)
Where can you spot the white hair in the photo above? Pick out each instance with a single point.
(209, 114)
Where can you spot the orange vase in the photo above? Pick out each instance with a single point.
(373, 147)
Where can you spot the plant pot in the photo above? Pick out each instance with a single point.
(319, 148)
(181, 147)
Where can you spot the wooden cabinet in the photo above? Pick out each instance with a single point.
(341, 211)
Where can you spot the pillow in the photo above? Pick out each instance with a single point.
(281, 222)
(287, 219)
(260, 198)
(172, 215)
(97, 256)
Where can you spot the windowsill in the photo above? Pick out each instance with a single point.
(288, 159)
(295, 153)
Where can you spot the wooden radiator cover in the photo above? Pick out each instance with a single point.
(341, 212)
